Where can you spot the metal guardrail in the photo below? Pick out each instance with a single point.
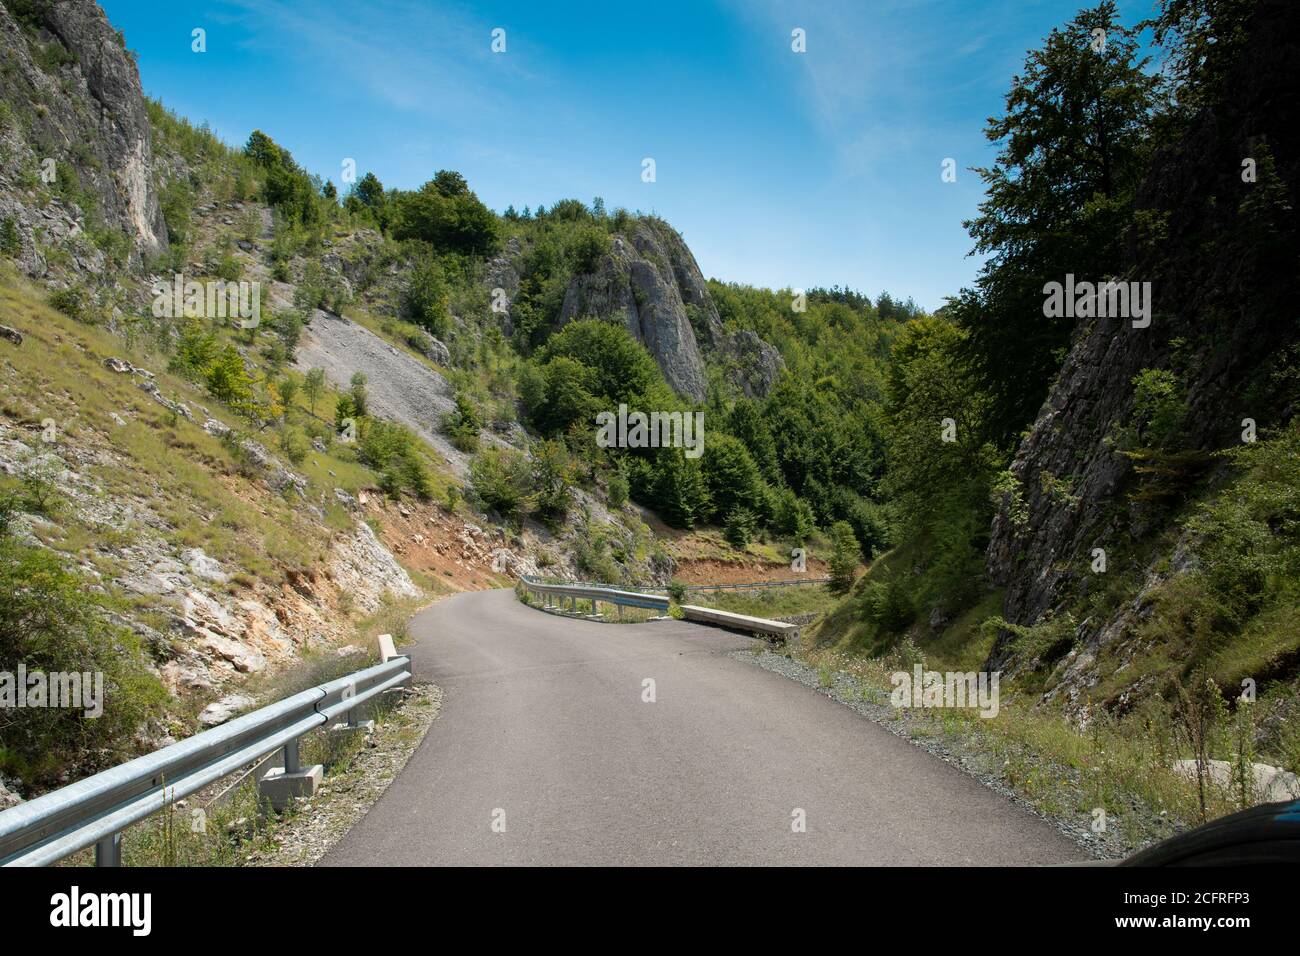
(594, 592)
(704, 615)
(96, 810)
(754, 586)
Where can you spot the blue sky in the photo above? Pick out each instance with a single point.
(781, 169)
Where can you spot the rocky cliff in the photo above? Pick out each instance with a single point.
(651, 279)
(79, 173)
(1221, 254)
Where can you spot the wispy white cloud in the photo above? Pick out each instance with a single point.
(432, 61)
(857, 77)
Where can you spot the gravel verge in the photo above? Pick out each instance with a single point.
(349, 790)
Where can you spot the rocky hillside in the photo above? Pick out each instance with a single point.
(1225, 278)
(207, 540)
(74, 121)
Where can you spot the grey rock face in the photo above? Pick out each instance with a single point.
(94, 104)
(649, 281)
(220, 711)
(755, 365)
(503, 274)
(435, 350)
(652, 282)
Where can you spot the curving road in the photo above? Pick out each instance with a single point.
(543, 728)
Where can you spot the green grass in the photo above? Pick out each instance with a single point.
(768, 602)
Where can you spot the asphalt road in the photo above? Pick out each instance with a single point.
(546, 753)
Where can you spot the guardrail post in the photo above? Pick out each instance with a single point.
(281, 784)
(354, 724)
(108, 851)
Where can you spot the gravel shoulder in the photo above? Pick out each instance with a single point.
(348, 792)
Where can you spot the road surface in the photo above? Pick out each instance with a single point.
(546, 753)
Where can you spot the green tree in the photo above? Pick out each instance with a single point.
(288, 389)
(1059, 195)
(228, 379)
(447, 219)
(731, 477)
(425, 298)
(747, 423)
(937, 454)
(844, 557)
(370, 191)
(678, 490)
(287, 327)
(739, 527)
(313, 385)
(623, 368)
(196, 349)
(792, 516)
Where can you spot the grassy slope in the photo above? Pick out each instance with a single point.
(189, 475)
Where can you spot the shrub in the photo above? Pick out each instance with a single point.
(463, 423)
(1159, 407)
(594, 561)
(11, 243)
(618, 490)
(587, 247)
(294, 445)
(391, 450)
(74, 302)
(887, 605)
(52, 623)
(313, 291)
(552, 480)
(501, 479)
